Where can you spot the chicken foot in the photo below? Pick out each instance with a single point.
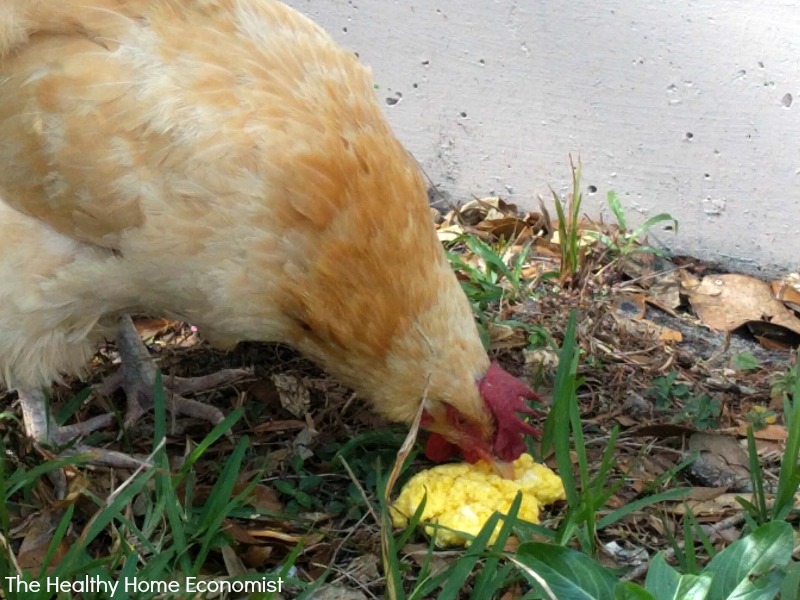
(40, 426)
(137, 375)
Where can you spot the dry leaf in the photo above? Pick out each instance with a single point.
(726, 302)
(257, 557)
(787, 290)
(491, 207)
(337, 592)
(150, 328)
(294, 393)
(437, 562)
(665, 334)
(265, 499)
(638, 327)
(37, 540)
(543, 247)
(630, 306)
(285, 425)
(303, 441)
(704, 494)
(364, 569)
(513, 593)
(773, 433)
(239, 533)
(506, 337)
(233, 564)
(665, 291)
(449, 234)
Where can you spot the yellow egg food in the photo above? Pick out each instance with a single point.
(463, 497)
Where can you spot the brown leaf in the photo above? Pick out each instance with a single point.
(450, 233)
(492, 207)
(265, 498)
(233, 564)
(439, 561)
(364, 568)
(149, 328)
(543, 247)
(505, 337)
(787, 290)
(513, 593)
(294, 393)
(665, 291)
(726, 302)
(285, 425)
(338, 592)
(38, 538)
(240, 534)
(773, 433)
(257, 557)
(630, 306)
(704, 494)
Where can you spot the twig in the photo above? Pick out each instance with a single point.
(12, 558)
(360, 489)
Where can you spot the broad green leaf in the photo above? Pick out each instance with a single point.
(568, 573)
(631, 591)
(790, 590)
(662, 577)
(737, 569)
(667, 584)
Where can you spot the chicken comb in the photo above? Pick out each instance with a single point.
(503, 394)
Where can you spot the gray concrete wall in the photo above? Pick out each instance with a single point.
(688, 107)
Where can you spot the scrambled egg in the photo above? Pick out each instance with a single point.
(463, 497)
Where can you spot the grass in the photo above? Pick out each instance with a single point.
(174, 534)
(251, 506)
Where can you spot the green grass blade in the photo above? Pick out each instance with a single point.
(216, 433)
(756, 479)
(218, 504)
(632, 507)
(616, 207)
(68, 410)
(652, 222)
(789, 474)
(58, 536)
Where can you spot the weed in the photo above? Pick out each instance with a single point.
(760, 416)
(701, 411)
(746, 361)
(624, 243)
(569, 233)
(493, 281)
(664, 390)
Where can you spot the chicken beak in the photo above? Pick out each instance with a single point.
(503, 469)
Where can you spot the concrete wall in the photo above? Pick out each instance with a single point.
(688, 107)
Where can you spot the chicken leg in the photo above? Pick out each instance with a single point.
(137, 376)
(40, 426)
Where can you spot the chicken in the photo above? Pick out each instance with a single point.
(225, 163)
(461, 497)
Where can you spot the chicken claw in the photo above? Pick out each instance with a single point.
(137, 375)
(40, 426)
